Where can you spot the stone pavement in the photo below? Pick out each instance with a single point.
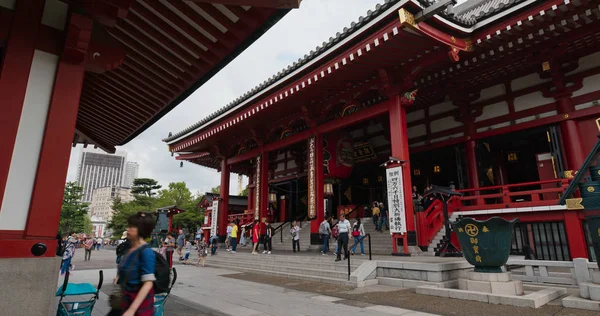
(205, 291)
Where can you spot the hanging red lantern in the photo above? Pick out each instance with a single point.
(338, 160)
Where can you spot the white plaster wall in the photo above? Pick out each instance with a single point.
(442, 107)
(530, 101)
(9, 4)
(416, 131)
(23, 166)
(415, 116)
(489, 128)
(441, 139)
(493, 110)
(444, 124)
(590, 84)
(587, 62)
(492, 92)
(526, 82)
(55, 14)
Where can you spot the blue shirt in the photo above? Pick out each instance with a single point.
(137, 267)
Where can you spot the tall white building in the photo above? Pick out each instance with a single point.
(103, 198)
(98, 169)
(131, 173)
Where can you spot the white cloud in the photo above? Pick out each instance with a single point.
(294, 36)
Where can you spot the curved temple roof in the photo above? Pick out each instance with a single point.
(469, 12)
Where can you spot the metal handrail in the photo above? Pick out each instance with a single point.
(350, 247)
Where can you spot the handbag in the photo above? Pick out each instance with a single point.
(355, 233)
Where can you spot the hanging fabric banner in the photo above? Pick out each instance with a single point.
(396, 207)
(257, 189)
(214, 218)
(312, 173)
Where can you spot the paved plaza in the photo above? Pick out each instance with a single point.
(216, 291)
(213, 291)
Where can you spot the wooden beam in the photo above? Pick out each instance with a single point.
(277, 4)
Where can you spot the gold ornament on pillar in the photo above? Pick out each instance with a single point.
(328, 189)
(257, 189)
(312, 194)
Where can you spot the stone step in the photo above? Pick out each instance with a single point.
(299, 258)
(314, 271)
(327, 266)
(331, 280)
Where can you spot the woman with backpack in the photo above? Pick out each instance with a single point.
(136, 272)
(358, 232)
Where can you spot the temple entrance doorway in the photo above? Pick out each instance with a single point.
(530, 155)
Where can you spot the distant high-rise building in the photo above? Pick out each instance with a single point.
(131, 173)
(103, 198)
(98, 169)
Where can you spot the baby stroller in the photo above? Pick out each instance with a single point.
(160, 299)
(79, 308)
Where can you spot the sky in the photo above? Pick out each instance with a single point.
(299, 32)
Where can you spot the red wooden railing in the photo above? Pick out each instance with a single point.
(529, 194)
(244, 218)
(541, 193)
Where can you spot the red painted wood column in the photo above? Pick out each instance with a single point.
(46, 198)
(14, 76)
(264, 186)
(575, 235)
(224, 195)
(399, 143)
(571, 136)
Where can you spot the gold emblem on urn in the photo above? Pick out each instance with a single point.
(591, 189)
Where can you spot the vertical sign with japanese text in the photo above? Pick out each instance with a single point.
(257, 189)
(395, 195)
(312, 173)
(214, 218)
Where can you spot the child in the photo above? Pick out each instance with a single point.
(202, 252)
(188, 250)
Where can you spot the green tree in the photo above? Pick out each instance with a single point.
(176, 194)
(88, 228)
(145, 186)
(73, 211)
(118, 222)
(244, 192)
(216, 190)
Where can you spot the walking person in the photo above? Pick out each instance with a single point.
(375, 211)
(89, 245)
(295, 232)
(234, 236)
(67, 267)
(170, 241)
(202, 252)
(383, 218)
(188, 251)
(136, 270)
(343, 228)
(180, 244)
(243, 237)
(255, 234)
(324, 231)
(358, 232)
(268, 238)
(228, 238)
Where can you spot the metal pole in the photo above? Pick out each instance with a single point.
(369, 235)
(348, 258)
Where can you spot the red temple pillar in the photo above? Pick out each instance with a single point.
(575, 235)
(317, 187)
(399, 144)
(264, 187)
(472, 168)
(282, 208)
(571, 136)
(39, 101)
(224, 202)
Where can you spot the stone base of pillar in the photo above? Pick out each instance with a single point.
(28, 285)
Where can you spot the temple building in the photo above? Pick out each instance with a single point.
(497, 99)
(96, 73)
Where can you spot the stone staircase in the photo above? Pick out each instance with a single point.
(437, 240)
(282, 239)
(303, 266)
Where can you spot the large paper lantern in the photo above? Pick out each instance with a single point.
(338, 156)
